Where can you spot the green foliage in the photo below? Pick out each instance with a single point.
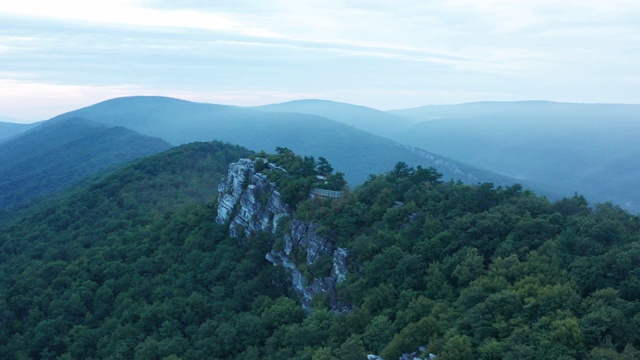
(412, 336)
(296, 175)
(133, 266)
(457, 347)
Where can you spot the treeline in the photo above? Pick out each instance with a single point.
(297, 175)
(134, 266)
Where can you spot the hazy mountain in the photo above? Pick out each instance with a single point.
(362, 117)
(354, 152)
(522, 108)
(8, 129)
(56, 154)
(11, 120)
(589, 148)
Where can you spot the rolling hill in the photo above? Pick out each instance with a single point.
(54, 155)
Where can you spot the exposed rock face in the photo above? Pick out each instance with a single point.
(249, 200)
(339, 268)
(303, 236)
(443, 163)
(250, 203)
(406, 356)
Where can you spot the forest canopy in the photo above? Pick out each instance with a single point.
(133, 265)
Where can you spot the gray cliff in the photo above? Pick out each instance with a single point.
(250, 203)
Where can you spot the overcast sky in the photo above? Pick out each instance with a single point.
(57, 56)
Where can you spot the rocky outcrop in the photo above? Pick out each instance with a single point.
(443, 164)
(406, 356)
(250, 203)
(303, 237)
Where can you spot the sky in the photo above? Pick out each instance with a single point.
(57, 56)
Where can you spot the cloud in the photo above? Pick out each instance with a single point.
(380, 29)
(55, 99)
(52, 99)
(128, 12)
(271, 49)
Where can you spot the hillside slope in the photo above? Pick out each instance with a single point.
(52, 156)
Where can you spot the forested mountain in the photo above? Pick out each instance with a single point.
(374, 121)
(557, 148)
(351, 151)
(9, 129)
(591, 149)
(134, 265)
(554, 148)
(52, 156)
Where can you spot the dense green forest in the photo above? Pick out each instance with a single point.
(133, 266)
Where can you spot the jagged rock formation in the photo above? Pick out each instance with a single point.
(249, 200)
(250, 203)
(304, 237)
(406, 356)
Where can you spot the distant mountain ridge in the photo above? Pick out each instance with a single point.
(557, 148)
(9, 129)
(368, 119)
(355, 152)
(490, 108)
(591, 149)
(553, 148)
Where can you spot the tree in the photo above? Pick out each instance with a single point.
(567, 332)
(378, 333)
(401, 170)
(323, 353)
(335, 182)
(351, 349)
(283, 311)
(323, 167)
(411, 337)
(457, 347)
(283, 151)
(428, 175)
(470, 268)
